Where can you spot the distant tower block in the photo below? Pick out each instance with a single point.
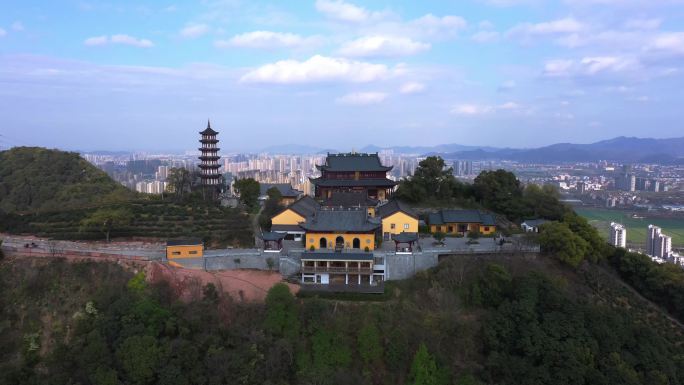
(209, 166)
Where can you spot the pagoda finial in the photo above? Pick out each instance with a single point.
(208, 124)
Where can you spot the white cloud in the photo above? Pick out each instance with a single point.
(194, 31)
(118, 39)
(268, 40)
(509, 106)
(558, 67)
(317, 69)
(382, 46)
(130, 40)
(434, 24)
(362, 98)
(2, 32)
(471, 109)
(341, 10)
(589, 66)
(96, 40)
(18, 26)
(412, 88)
(593, 65)
(560, 26)
(485, 36)
(643, 23)
(671, 42)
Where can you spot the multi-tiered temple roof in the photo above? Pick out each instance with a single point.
(209, 166)
(354, 172)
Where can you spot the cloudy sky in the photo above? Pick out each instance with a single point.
(339, 74)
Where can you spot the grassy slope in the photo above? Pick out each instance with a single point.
(636, 228)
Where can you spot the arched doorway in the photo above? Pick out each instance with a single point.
(323, 243)
(339, 242)
(356, 243)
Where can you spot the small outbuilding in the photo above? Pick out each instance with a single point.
(184, 248)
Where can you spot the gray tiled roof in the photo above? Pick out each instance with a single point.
(304, 206)
(272, 236)
(340, 220)
(285, 189)
(404, 237)
(392, 207)
(351, 182)
(286, 228)
(353, 162)
(184, 242)
(461, 216)
(327, 256)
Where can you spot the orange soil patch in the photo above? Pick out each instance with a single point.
(241, 285)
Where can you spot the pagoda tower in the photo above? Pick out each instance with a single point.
(209, 166)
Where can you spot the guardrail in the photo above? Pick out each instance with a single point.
(352, 270)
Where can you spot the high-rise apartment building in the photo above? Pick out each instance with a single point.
(618, 235)
(658, 244)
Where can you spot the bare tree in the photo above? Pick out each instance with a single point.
(54, 249)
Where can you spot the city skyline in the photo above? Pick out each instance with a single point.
(506, 73)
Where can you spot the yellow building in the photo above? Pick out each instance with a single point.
(340, 229)
(397, 218)
(184, 248)
(462, 222)
(287, 221)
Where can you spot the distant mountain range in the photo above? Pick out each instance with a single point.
(622, 149)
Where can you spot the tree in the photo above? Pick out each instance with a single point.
(543, 202)
(271, 207)
(439, 237)
(180, 182)
(431, 180)
(557, 240)
(424, 369)
(107, 220)
(248, 189)
(501, 192)
(370, 347)
(473, 235)
(139, 357)
(281, 312)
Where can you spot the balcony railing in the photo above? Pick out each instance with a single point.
(337, 269)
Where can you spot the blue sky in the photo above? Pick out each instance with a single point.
(338, 74)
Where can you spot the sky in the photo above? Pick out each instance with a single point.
(130, 75)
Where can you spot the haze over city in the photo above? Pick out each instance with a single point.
(95, 75)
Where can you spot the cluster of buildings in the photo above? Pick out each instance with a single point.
(658, 245)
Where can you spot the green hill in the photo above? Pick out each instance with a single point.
(503, 320)
(57, 194)
(38, 179)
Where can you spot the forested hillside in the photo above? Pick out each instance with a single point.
(468, 321)
(39, 179)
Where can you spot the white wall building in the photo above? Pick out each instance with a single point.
(658, 245)
(618, 235)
